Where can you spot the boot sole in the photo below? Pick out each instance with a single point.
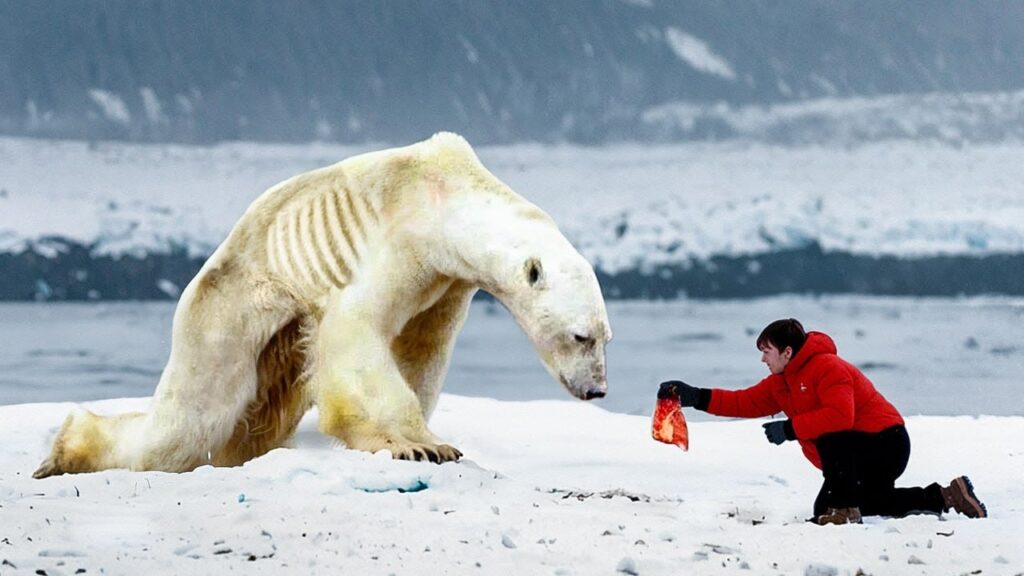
(966, 488)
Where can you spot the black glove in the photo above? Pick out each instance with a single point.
(688, 395)
(779, 431)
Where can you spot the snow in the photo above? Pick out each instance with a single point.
(151, 104)
(546, 487)
(942, 116)
(549, 485)
(112, 106)
(697, 54)
(643, 205)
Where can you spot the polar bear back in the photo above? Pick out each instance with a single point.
(314, 230)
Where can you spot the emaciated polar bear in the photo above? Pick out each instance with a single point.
(345, 287)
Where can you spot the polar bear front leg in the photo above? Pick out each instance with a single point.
(362, 397)
(424, 347)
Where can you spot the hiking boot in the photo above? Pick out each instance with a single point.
(959, 496)
(839, 516)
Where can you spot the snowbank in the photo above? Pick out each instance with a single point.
(547, 487)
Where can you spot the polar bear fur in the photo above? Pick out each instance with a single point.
(345, 287)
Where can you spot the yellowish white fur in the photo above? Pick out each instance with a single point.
(345, 287)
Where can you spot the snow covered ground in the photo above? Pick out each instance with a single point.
(624, 205)
(546, 487)
(549, 485)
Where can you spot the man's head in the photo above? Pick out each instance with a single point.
(779, 342)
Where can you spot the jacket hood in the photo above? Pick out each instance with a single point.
(816, 343)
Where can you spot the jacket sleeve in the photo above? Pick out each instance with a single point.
(836, 410)
(758, 400)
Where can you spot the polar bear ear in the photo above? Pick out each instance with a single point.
(534, 272)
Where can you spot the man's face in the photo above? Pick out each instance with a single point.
(775, 360)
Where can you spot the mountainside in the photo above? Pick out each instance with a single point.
(85, 221)
(586, 71)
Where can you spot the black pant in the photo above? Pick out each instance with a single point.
(860, 470)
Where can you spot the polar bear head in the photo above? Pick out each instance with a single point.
(553, 294)
(514, 250)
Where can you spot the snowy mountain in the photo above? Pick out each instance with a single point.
(743, 218)
(587, 71)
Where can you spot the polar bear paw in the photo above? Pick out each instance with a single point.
(437, 453)
(402, 447)
(76, 447)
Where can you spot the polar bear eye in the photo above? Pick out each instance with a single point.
(582, 339)
(533, 271)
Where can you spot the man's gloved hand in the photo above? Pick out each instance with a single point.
(688, 395)
(779, 431)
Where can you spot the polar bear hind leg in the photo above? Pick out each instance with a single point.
(209, 381)
(282, 398)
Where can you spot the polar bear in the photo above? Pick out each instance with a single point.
(345, 287)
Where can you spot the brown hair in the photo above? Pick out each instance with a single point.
(782, 333)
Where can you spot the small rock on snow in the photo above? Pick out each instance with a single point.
(627, 566)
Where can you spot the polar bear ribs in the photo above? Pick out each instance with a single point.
(318, 241)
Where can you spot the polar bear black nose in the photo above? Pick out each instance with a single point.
(591, 394)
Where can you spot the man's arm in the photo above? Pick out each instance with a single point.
(752, 402)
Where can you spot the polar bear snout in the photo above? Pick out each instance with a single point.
(595, 388)
(590, 389)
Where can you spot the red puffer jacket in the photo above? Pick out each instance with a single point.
(819, 391)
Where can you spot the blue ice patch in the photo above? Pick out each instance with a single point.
(391, 485)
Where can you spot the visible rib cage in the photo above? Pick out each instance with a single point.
(317, 242)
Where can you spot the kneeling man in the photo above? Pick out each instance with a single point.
(844, 425)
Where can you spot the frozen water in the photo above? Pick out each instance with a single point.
(928, 356)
